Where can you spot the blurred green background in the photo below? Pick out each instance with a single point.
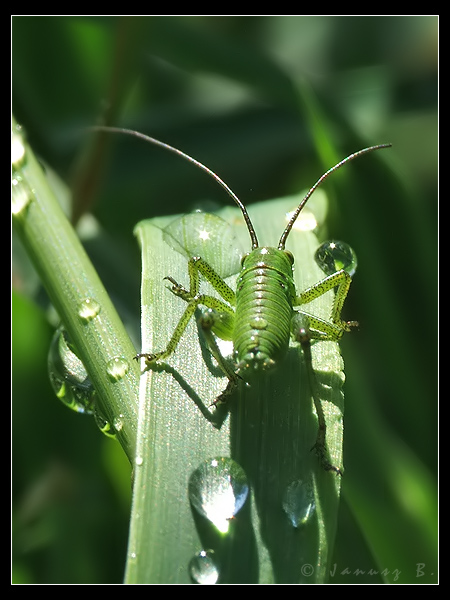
(269, 103)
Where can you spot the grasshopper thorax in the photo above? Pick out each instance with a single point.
(266, 256)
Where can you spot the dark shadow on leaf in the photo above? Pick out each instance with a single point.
(220, 411)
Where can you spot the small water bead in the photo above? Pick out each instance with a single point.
(21, 195)
(117, 368)
(118, 423)
(299, 503)
(332, 256)
(203, 569)
(218, 489)
(103, 424)
(68, 375)
(88, 309)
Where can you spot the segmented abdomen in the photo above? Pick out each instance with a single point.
(263, 316)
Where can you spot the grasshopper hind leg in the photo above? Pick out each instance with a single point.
(208, 320)
(302, 335)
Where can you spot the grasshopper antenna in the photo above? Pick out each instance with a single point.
(200, 165)
(300, 207)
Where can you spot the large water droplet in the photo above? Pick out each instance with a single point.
(88, 309)
(218, 490)
(299, 503)
(68, 375)
(203, 569)
(18, 151)
(333, 256)
(117, 368)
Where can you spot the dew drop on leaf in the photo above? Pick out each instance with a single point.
(218, 489)
(88, 309)
(299, 502)
(203, 569)
(68, 376)
(208, 236)
(117, 368)
(332, 256)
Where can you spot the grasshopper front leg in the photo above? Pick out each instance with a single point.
(219, 317)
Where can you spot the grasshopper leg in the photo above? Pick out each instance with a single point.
(301, 333)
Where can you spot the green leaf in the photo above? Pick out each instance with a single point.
(268, 429)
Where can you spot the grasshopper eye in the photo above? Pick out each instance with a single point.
(290, 256)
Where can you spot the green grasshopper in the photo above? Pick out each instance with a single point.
(260, 316)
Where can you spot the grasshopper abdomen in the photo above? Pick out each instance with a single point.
(264, 295)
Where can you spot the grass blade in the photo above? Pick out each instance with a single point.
(269, 430)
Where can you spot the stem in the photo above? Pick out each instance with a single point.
(76, 292)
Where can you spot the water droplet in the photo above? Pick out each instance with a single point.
(103, 424)
(118, 423)
(17, 148)
(68, 375)
(333, 256)
(208, 236)
(203, 569)
(139, 461)
(21, 195)
(88, 309)
(117, 368)
(218, 489)
(306, 220)
(299, 503)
